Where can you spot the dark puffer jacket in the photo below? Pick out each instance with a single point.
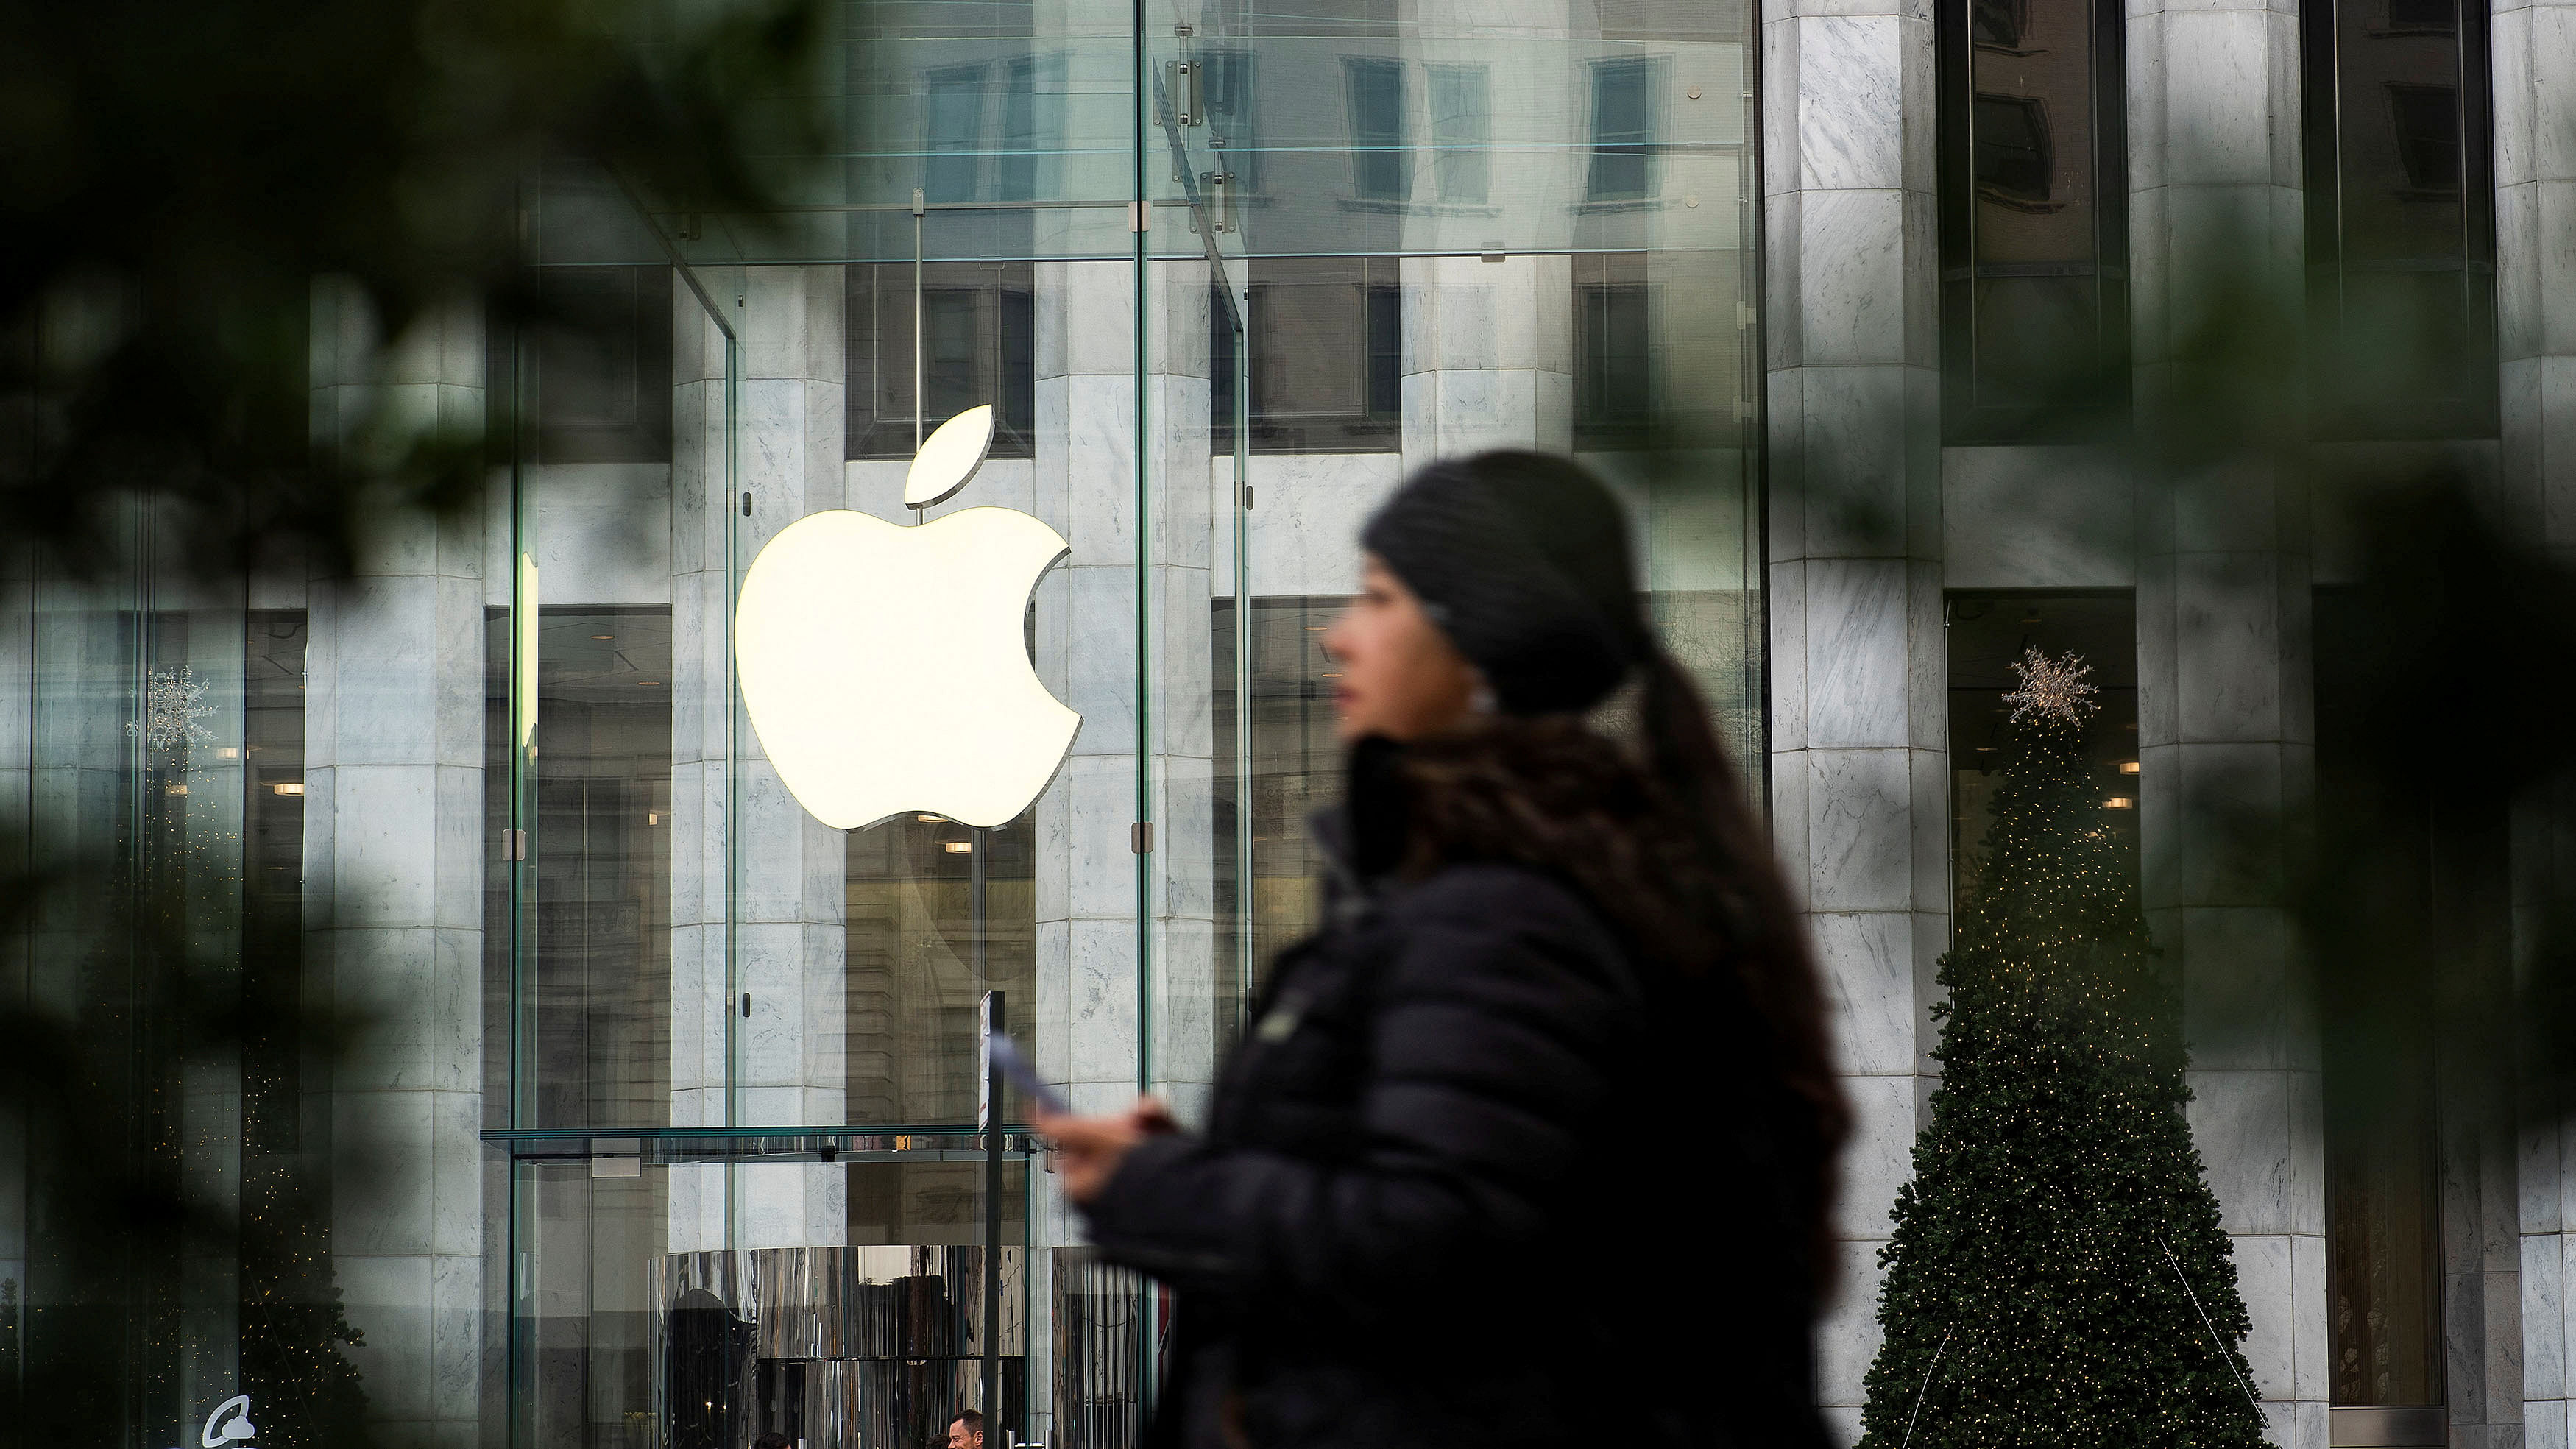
(1456, 1190)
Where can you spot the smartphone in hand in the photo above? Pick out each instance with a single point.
(1020, 1072)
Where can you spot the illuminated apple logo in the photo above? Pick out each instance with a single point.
(885, 666)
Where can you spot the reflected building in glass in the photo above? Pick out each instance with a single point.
(668, 1124)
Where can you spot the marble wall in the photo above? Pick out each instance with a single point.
(2535, 177)
(394, 847)
(1858, 692)
(785, 929)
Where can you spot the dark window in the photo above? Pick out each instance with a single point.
(2426, 122)
(1987, 633)
(1326, 345)
(1997, 22)
(2034, 228)
(1624, 105)
(977, 347)
(2422, 16)
(1381, 156)
(2401, 220)
(603, 374)
(2014, 160)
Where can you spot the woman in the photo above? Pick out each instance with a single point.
(1532, 1142)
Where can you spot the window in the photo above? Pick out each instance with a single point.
(1987, 632)
(2422, 969)
(1616, 380)
(977, 345)
(2015, 164)
(1625, 102)
(1326, 343)
(2033, 220)
(952, 133)
(1381, 158)
(2401, 220)
(1461, 131)
(604, 369)
(1227, 91)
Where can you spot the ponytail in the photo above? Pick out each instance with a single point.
(1763, 938)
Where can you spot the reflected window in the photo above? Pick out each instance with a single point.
(1381, 151)
(1325, 337)
(2014, 160)
(1617, 379)
(1987, 632)
(2401, 220)
(978, 346)
(2426, 123)
(952, 133)
(1230, 94)
(1626, 101)
(939, 913)
(603, 367)
(2033, 220)
(1461, 131)
(1296, 769)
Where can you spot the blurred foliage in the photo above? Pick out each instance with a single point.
(177, 178)
(186, 187)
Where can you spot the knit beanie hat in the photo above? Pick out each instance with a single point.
(1522, 560)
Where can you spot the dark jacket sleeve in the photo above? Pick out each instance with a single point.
(1491, 1043)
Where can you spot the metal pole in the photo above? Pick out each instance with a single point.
(920, 403)
(992, 1191)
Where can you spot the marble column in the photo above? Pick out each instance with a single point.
(784, 894)
(2535, 165)
(1859, 710)
(2225, 719)
(1093, 440)
(394, 845)
(1488, 355)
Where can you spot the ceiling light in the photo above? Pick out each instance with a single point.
(649, 683)
(2120, 802)
(932, 819)
(603, 636)
(959, 847)
(228, 753)
(2128, 767)
(652, 817)
(287, 787)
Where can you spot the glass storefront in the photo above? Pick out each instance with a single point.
(663, 1120)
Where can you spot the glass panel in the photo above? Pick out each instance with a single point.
(1219, 297)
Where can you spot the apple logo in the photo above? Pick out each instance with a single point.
(229, 1424)
(885, 667)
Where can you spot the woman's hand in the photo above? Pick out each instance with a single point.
(1088, 1150)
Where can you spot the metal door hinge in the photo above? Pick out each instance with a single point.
(746, 505)
(514, 845)
(1140, 837)
(746, 1005)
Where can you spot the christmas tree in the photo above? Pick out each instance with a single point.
(2057, 1275)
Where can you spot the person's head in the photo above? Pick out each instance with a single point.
(1501, 605)
(966, 1431)
(1500, 582)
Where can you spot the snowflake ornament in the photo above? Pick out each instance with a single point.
(2052, 688)
(173, 701)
